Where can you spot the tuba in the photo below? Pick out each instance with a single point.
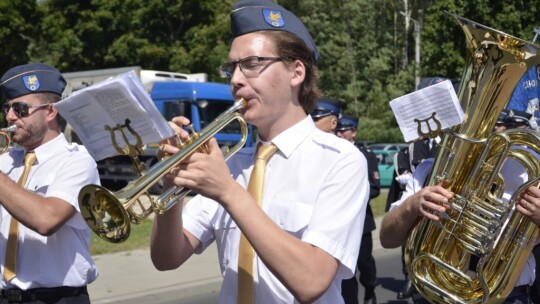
(109, 214)
(475, 253)
(5, 137)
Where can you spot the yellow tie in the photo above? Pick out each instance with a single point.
(10, 267)
(246, 254)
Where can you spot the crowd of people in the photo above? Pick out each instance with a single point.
(287, 230)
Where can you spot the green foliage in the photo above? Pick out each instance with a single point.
(17, 27)
(367, 53)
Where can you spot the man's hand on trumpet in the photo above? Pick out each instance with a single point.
(204, 173)
(170, 146)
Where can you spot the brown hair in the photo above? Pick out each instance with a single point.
(290, 47)
(52, 98)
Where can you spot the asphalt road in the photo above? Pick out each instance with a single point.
(390, 281)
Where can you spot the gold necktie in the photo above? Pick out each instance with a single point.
(246, 254)
(10, 267)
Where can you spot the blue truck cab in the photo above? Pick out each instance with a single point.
(201, 102)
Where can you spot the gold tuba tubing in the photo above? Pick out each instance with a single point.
(5, 137)
(109, 214)
(476, 252)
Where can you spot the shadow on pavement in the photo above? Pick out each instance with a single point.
(391, 284)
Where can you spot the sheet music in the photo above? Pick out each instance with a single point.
(110, 103)
(440, 98)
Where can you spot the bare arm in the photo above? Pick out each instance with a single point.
(45, 215)
(397, 223)
(170, 244)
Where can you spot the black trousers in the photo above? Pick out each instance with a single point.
(367, 273)
(54, 295)
(80, 299)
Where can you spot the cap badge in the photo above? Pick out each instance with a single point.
(273, 18)
(31, 82)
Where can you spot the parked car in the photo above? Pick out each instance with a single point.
(385, 166)
(394, 147)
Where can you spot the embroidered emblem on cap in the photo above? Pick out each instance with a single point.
(31, 82)
(273, 18)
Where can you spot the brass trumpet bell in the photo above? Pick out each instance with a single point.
(104, 214)
(5, 137)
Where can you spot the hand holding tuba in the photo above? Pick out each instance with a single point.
(5, 137)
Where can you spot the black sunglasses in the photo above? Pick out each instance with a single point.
(21, 108)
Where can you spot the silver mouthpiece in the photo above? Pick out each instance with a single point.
(9, 129)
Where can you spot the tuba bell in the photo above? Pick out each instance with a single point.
(109, 214)
(475, 253)
(5, 137)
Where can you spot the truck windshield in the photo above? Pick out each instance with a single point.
(212, 110)
(207, 112)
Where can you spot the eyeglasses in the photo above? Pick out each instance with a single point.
(251, 66)
(21, 108)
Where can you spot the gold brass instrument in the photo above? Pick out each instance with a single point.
(5, 137)
(109, 214)
(476, 252)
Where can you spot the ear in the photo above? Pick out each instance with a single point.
(52, 112)
(334, 122)
(299, 73)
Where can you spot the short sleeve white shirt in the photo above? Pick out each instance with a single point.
(62, 259)
(316, 190)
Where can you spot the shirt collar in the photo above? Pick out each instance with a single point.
(50, 148)
(288, 140)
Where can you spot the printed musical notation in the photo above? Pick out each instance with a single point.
(426, 112)
(93, 111)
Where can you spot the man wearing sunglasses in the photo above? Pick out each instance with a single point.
(44, 254)
(304, 228)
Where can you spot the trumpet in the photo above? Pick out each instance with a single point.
(5, 137)
(109, 214)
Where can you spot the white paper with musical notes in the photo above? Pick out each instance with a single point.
(110, 103)
(431, 109)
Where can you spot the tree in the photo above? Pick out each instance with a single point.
(363, 43)
(17, 26)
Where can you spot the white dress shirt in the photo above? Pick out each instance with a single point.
(62, 259)
(316, 189)
(514, 175)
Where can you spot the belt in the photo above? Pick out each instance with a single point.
(41, 294)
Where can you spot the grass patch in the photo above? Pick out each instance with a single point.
(378, 204)
(140, 234)
(139, 238)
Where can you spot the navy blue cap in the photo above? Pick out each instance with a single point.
(515, 118)
(502, 116)
(31, 78)
(249, 16)
(326, 106)
(347, 122)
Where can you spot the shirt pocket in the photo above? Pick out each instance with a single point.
(291, 214)
(40, 185)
